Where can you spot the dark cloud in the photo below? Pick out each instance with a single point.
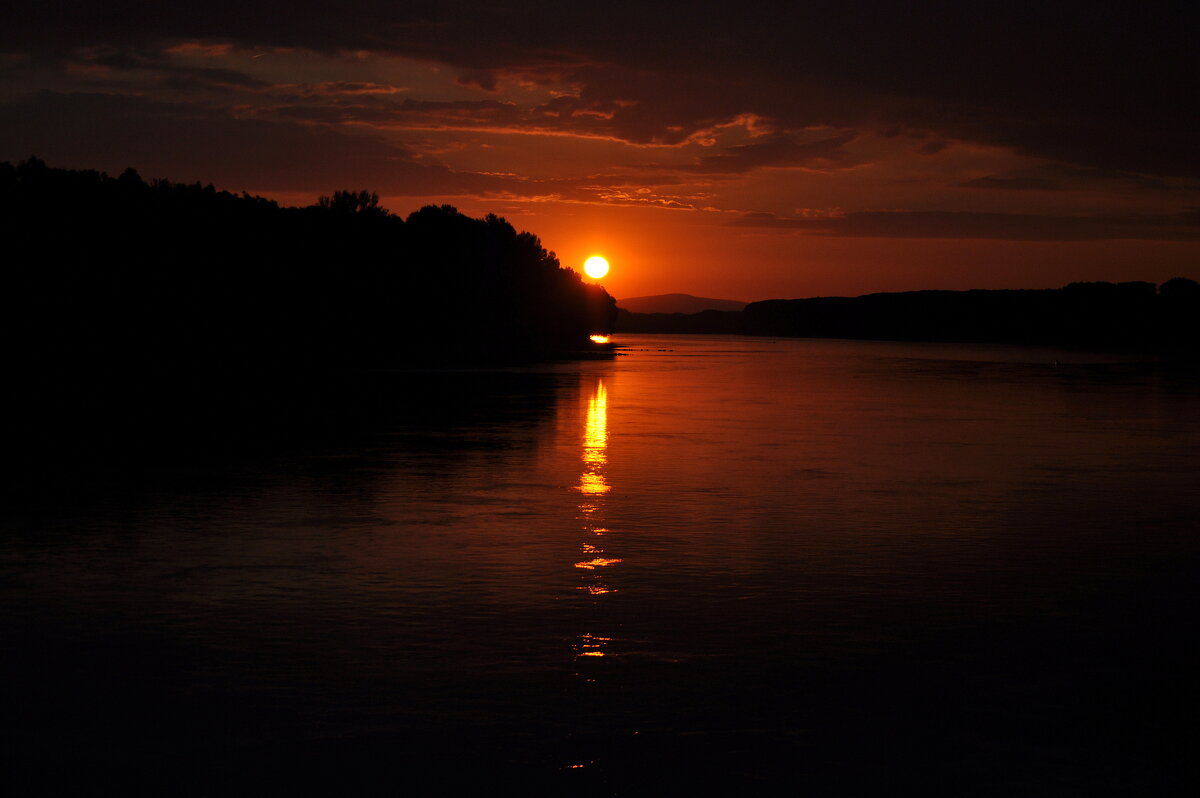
(1157, 143)
(822, 153)
(195, 78)
(386, 112)
(114, 66)
(482, 79)
(192, 142)
(561, 115)
(189, 142)
(333, 90)
(1006, 226)
(1011, 183)
(1106, 86)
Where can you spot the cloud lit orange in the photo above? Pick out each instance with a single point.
(759, 170)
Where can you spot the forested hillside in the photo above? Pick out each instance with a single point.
(156, 302)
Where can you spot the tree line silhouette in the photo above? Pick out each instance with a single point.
(1131, 315)
(714, 322)
(141, 302)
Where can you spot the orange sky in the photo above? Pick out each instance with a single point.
(816, 149)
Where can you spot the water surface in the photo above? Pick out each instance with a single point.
(840, 566)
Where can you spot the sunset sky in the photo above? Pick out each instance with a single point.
(744, 151)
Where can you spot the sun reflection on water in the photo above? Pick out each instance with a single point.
(595, 443)
(597, 562)
(590, 645)
(593, 484)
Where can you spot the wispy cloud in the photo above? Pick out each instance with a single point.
(1006, 226)
(1011, 183)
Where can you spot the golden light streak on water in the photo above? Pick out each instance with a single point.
(593, 485)
(597, 562)
(595, 443)
(591, 645)
(595, 432)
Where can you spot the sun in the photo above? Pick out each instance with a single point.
(596, 267)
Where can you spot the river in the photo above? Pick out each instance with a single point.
(713, 562)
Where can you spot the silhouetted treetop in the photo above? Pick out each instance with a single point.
(173, 290)
(352, 202)
(1180, 288)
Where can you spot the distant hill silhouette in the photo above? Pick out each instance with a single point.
(158, 308)
(722, 322)
(676, 303)
(1122, 315)
(1133, 315)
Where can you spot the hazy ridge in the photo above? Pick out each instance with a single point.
(677, 303)
(1129, 315)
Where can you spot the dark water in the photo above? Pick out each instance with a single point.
(843, 568)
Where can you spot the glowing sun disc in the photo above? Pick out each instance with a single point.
(596, 267)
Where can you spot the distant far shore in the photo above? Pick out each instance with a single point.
(1131, 315)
